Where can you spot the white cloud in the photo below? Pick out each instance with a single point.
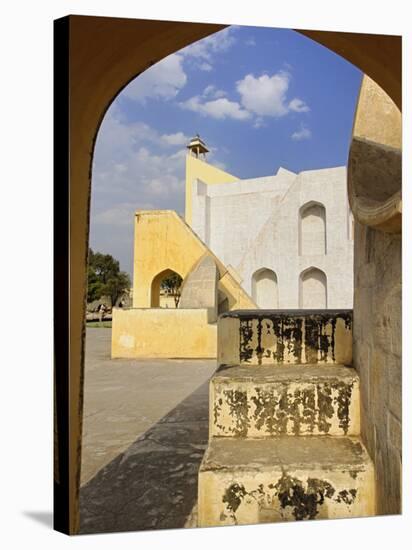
(302, 133)
(209, 90)
(298, 106)
(264, 95)
(166, 78)
(202, 54)
(165, 185)
(220, 108)
(134, 167)
(212, 91)
(118, 139)
(259, 122)
(162, 81)
(179, 138)
(267, 95)
(250, 41)
(129, 156)
(215, 43)
(119, 215)
(205, 66)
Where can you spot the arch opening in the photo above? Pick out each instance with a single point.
(166, 289)
(313, 289)
(312, 229)
(265, 288)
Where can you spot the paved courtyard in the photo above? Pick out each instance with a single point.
(145, 429)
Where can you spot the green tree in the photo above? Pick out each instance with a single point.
(94, 285)
(172, 285)
(105, 277)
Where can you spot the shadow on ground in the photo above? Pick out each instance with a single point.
(153, 484)
(43, 518)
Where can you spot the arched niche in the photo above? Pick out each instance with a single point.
(312, 229)
(313, 291)
(265, 288)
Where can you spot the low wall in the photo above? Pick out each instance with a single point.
(271, 337)
(165, 333)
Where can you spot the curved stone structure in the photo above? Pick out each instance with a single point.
(375, 161)
(199, 289)
(374, 188)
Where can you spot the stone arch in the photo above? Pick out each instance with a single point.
(95, 80)
(312, 229)
(313, 289)
(156, 287)
(265, 288)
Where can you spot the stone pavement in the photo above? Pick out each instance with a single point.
(144, 434)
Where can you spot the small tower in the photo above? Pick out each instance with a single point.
(197, 147)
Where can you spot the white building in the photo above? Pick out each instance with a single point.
(289, 237)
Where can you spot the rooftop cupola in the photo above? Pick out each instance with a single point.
(197, 147)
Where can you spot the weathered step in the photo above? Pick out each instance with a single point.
(262, 401)
(259, 337)
(249, 481)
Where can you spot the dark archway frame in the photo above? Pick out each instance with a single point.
(94, 59)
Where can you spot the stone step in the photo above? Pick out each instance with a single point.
(261, 401)
(249, 481)
(259, 337)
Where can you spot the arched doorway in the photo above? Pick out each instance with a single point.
(265, 288)
(313, 289)
(165, 289)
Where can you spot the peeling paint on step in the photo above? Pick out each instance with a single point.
(295, 336)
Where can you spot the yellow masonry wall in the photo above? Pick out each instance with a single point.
(164, 333)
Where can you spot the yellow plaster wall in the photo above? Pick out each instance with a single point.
(164, 333)
(198, 169)
(163, 241)
(375, 106)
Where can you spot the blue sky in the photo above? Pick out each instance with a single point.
(260, 98)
